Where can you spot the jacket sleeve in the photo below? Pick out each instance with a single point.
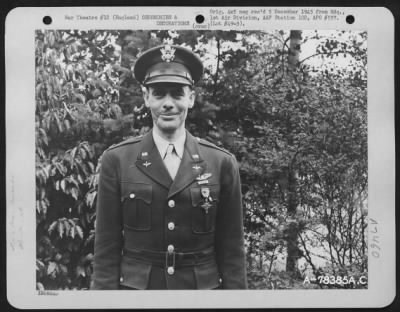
(108, 230)
(230, 251)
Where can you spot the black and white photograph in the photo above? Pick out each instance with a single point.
(270, 186)
(201, 159)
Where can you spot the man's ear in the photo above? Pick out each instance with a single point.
(146, 94)
(192, 97)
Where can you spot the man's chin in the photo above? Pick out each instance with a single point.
(167, 127)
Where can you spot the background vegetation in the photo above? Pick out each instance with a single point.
(296, 123)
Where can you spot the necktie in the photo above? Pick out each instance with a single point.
(171, 161)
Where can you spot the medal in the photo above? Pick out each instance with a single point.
(206, 206)
(205, 192)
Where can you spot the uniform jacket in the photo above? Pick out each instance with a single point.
(140, 208)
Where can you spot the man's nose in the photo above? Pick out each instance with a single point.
(168, 101)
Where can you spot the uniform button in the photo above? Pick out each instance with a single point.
(170, 248)
(171, 226)
(132, 195)
(171, 270)
(121, 279)
(171, 203)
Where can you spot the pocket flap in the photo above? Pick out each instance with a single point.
(138, 191)
(135, 274)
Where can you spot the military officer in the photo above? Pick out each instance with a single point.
(169, 213)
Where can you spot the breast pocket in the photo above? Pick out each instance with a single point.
(204, 208)
(136, 205)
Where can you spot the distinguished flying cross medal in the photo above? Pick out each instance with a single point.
(205, 192)
(167, 53)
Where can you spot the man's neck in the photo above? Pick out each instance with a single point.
(170, 137)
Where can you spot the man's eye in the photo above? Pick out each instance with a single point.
(177, 93)
(158, 92)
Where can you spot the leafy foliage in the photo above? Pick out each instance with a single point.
(298, 130)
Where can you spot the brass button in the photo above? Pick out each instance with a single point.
(170, 248)
(132, 195)
(171, 270)
(171, 226)
(171, 203)
(121, 279)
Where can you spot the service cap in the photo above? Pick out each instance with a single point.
(168, 63)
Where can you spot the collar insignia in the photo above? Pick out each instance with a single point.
(167, 53)
(146, 164)
(195, 156)
(196, 167)
(144, 154)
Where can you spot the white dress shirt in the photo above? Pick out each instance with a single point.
(162, 144)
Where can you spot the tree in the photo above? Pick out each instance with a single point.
(293, 252)
(76, 111)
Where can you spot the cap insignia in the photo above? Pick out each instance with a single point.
(167, 53)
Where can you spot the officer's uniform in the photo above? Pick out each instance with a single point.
(153, 232)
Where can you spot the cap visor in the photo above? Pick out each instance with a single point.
(171, 79)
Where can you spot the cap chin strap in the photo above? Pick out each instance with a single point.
(181, 75)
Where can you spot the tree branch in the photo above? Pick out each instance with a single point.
(217, 70)
(319, 53)
(307, 256)
(283, 54)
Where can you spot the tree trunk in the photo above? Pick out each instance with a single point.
(217, 70)
(293, 251)
(294, 48)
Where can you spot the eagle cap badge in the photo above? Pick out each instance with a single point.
(167, 53)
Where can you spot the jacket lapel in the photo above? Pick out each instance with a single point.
(192, 165)
(150, 163)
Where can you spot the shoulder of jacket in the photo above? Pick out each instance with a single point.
(128, 141)
(212, 145)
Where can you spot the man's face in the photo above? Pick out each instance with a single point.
(169, 104)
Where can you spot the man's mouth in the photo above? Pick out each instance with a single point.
(168, 115)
